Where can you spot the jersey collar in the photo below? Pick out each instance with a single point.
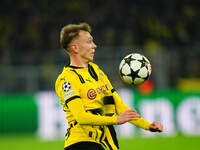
(75, 67)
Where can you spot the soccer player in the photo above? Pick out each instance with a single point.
(88, 98)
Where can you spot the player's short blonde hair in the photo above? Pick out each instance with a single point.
(70, 31)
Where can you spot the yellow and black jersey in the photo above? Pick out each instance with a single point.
(90, 103)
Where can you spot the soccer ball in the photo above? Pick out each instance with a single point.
(135, 69)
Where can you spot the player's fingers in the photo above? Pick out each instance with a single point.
(130, 119)
(152, 126)
(127, 112)
(156, 126)
(133, 115)
(130, 111)
(155, 123)
(136, 116)
(161, 128)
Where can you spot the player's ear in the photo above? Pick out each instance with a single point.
(74, 48)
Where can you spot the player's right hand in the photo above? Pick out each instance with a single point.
(127, 115)
(156, 126)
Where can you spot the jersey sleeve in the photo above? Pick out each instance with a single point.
(67, 88)
(87, 118)
(121, 107)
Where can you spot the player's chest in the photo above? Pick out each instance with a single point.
(93, 88)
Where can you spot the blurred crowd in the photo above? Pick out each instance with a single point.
(30, 29)
(34, 25)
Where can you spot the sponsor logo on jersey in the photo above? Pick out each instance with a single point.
(92, 93)
(66, 86)
(68, 94)
(102, 89)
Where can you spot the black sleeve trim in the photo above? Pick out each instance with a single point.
(109, 114)
(80, 77)
(90, 134)
(108, 100)
(92, 72)
(113, 90)
(70, 99)
(96, 111)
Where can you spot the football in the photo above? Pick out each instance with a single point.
(135, 69)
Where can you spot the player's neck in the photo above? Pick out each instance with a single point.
(78, 62)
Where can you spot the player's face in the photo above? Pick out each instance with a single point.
(86, 46)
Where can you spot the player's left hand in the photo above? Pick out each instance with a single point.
(156, 126)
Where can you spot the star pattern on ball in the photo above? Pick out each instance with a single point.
(134, 69)
(128, 59)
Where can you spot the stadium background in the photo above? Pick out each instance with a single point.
(167, 32)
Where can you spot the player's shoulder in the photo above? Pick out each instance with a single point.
(95, 66)
(68, 71)
(66, 75)
(98, 70)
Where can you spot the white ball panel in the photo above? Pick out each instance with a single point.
(137, 56)
(126, 69)
(128, 56)
(121, 64)
(138, 81)
(127, 79)
(146, 59)
(135, 65)
(143, 72)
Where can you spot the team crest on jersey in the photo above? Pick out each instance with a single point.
(100, 75)
(66, 86)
